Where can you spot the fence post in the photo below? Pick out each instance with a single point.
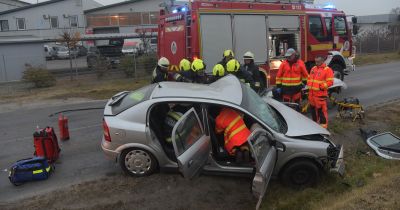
(378, 44)
(5, 69)
(134, 60)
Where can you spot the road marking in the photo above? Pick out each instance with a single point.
(30, 137)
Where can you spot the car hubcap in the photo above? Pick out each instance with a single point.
(300, 177)
(138, 161)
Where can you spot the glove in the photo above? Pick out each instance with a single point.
(279, 90)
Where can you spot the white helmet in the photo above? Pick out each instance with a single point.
(163, 62)
(248, 55)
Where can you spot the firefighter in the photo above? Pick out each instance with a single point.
(227, 56)
(174, 114)
(291, 77)
(252, 68)
(160, 73)
(233, 67)
(319, 80)
(186, 70)
(217, 73)
(199, 67)
(231, 123)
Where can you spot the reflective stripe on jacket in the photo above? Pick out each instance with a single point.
(290, 77)
(319, 80)
(235, 130)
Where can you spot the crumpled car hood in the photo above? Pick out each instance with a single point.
(298, 124)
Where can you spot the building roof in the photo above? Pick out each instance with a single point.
(373, 19)
(21, 2)
(111, 6)
(30, 6)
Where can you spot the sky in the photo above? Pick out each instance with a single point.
(350, 7)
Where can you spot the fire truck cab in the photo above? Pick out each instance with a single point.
(204, 29)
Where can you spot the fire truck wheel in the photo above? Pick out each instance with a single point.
(338, 71)
(137, 162)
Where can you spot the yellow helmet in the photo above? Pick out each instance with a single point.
(218, 70)
(184, 65)
(232, 66)
(198, 65)
(228, 53)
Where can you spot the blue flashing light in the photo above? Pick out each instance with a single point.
(175, 11)
(183, 9)
(329, 6)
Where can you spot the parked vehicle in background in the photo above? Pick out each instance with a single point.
(82, 51)
(50, 52)
(62, 52)
(133, 47)
(111, 53)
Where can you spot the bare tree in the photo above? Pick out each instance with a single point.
(70, 39)
(395, 11)
(145, 36)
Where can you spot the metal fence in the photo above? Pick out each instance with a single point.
(378, 40)
(13, 64)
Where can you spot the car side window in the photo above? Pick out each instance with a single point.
(187, 133)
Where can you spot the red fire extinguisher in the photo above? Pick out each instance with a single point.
(63, 127)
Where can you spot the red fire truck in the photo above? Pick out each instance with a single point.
(204, 29)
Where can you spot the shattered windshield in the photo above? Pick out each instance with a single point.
(253, 103)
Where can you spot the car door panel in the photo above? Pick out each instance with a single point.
(192, 147)
(265, 155)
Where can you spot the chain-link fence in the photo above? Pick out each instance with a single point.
(61, 61)
(378, 39)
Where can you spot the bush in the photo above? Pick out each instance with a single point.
(147, 62)
(39, 76)
(128, 66)
(101, 67)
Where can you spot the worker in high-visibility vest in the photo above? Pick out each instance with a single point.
(291, 77)
(231, 123)
(250, 67)
(319, 80)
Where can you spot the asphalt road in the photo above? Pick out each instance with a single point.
(81, 157)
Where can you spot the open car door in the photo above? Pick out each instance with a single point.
(265, 154)
(192, 147)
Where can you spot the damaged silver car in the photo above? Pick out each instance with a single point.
(283, 142)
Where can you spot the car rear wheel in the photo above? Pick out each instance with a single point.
(137, 162)
(300, 174)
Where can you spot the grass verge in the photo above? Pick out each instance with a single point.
(362, 60)
(87, 86)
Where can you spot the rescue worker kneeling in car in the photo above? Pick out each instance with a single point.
(236, 133)
(175, 113)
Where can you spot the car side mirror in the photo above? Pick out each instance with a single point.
(354, 20)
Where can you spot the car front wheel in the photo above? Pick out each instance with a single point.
(137, 162)
(300, 174)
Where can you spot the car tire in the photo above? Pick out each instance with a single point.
(338, 71)
(300, 174)
(137, 162)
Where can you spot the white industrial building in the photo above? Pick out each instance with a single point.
(123, 17)
(11, 4)
(46, 20)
